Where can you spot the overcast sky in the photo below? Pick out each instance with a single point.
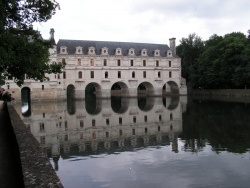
(146, 21)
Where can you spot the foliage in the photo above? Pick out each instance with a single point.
(189, 50)
(224, 62)
(22, 49)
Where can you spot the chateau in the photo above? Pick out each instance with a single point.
(106, 69)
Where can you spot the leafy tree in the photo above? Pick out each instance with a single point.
(189, 50)
(223, 62)
(22, 49)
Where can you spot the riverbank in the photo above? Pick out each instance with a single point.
(229, 95)
(36, 168)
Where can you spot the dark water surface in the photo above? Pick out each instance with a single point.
(145, 142)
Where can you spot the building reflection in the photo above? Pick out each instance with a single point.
(98, 126)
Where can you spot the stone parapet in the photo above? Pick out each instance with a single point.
(37, 170)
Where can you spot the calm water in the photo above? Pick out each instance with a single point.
(145, 142)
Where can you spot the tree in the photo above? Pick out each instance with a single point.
(224, 62)
(189, 50)
(22, 49)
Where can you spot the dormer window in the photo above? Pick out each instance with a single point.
(104, 51)
(156, 52)
(78, 50)
(91, 51)
(63, 50)
(169, 53)
(118, 51)
(131, 51)
(144, 52)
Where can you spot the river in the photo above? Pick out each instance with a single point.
(144, 142)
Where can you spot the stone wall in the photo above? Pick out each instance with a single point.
(37, 170)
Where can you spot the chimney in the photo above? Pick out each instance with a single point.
(51, 38)
(172, 45)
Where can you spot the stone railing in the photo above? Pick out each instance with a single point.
(37, 170)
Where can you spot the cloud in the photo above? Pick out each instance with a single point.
(146, 20)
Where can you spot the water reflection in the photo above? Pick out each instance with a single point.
(104, 125)
(154, 137)
(223, 125)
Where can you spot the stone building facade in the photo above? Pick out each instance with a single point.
(106, 69)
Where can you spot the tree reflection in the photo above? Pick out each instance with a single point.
(223, 125)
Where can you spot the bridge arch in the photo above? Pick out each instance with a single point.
(119, 89)
(26, 104)
(92, 98)
(119, 104)
(146, 103)
(171, 88)
(145, 89)
(70, 91)
(93, 88)
(171, 102)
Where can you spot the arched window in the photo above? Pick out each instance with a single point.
(80, 74)
(106, 74)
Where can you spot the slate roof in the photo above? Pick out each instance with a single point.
(112, 46)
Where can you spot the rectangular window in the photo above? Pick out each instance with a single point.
(119, 74)
(8, 86)
(146, 130)
(78, 62)
(81, 123)
(169, 63)
(66, 137)
(107, 121)
(107, 134)
(66, 124)
(159, 128)
(120, 120)
(157, 63)
(159, 117)
(171, 116)
(145, 118)
(144, 74)
(64, 75)
(42, 139)
(92, 62)
(144, 63)
(120, 132)
(105, 62)
(42, 87)
(42, 127)
(93, 122)
(134, 119)
(43, 115)
(63, 60)
(118, 62)
(170, 74)
(133, 131)
(159, 74)
(58, 76)
(92, 74)
(131, 62)
(81, 135)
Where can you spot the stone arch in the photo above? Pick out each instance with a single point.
(93, 103)
(171, 102)
(70, 91)
(146, 103)
(26, 103)
(119, 89)
(119, 104)
(170, 88)
(145, 89)
(93, 89)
